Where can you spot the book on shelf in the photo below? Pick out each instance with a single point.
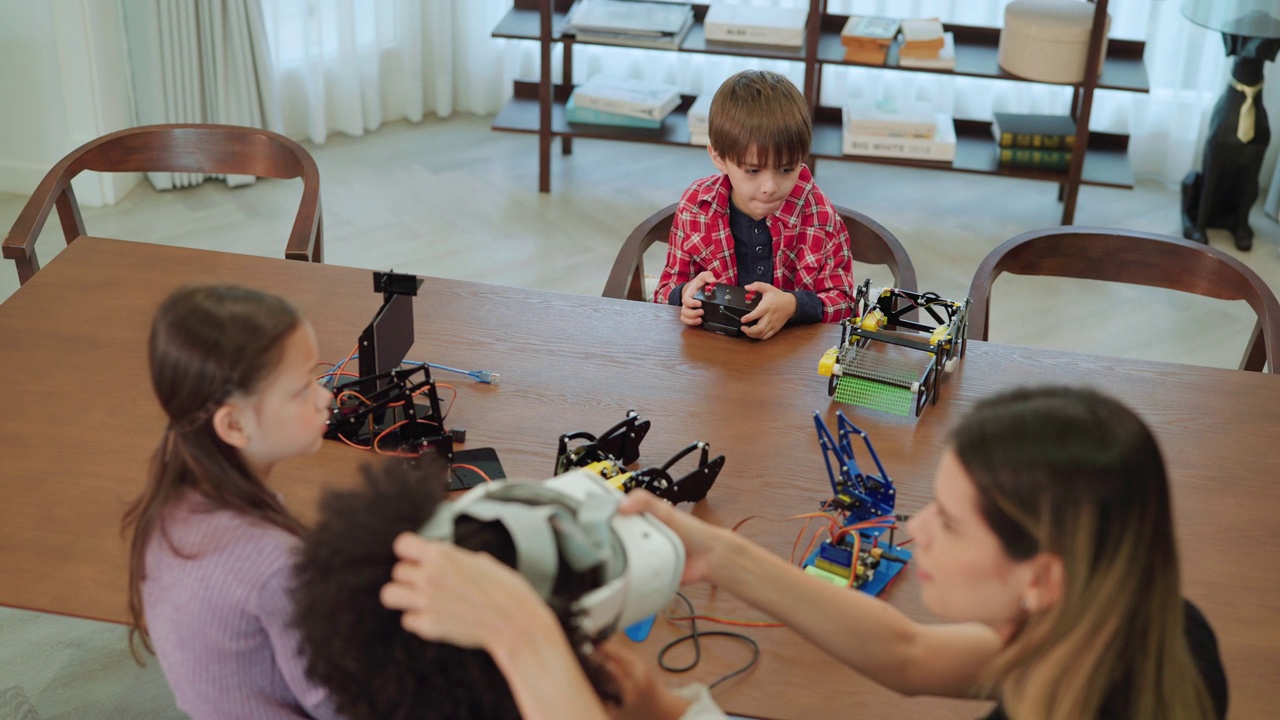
(667, 42)
(699, 113)
(920, 36)
(575, 114)
(699, 138)
(890, 118)
(866, 55)
(633, 17)
(1040, 159)
(1039, 132)
(940, 148)
(636, 98)
(757, 25)
(633, 23)
(869, 30)
(944, 59)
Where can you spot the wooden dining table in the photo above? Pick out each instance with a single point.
(79, 424)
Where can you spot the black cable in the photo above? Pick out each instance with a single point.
(696, 636)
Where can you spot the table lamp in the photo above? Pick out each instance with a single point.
(1222, 192)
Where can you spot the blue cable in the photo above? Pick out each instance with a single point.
(484, 376)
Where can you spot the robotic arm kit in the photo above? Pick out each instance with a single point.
(389, 407)
(858, 554)
(609, 454)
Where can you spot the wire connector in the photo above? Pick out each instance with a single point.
(484, 376)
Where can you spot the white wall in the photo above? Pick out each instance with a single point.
(63, 81)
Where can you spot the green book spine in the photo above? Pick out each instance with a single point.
(1029, 158)
(1036, 141)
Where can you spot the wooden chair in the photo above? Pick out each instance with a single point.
(1137, 258)
(203, 149)
(869, 242)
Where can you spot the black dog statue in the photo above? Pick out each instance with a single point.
(1221, 194)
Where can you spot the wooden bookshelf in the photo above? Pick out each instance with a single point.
(977, 51)
(538, 107)
(1106, 164)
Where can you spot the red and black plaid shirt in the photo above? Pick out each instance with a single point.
(810, 244)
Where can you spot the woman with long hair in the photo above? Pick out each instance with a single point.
(1048, 547)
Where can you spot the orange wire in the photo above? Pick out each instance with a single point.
(813, 542)
(358, 447)
(452, 397)
(745, 520)
(336, 374)
(728, 621)
(383, 434)
(881, 522)
(427, 388)
(350, 355)
(799, 536)
(473, 469)
(353, 393)
(853, 566)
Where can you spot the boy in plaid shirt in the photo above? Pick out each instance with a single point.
(762, 223)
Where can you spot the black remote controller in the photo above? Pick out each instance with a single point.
(724, 306)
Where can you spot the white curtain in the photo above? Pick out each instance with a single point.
(196, 61)
(350, 65)
(1186, 65)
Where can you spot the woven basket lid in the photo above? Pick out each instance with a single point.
(1055, 20)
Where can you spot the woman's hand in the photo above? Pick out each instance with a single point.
(469, 599)
(704, 543)
(460, 597)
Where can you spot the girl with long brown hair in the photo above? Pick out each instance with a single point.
(212, 544)
(1048, 547)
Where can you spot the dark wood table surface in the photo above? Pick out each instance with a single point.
(79, 423)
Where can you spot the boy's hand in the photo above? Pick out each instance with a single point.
(644, 697)
(775, 308)
(690, 309)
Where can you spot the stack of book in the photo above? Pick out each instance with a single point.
(698, 115)
(660, 25)
(1044, 142)
(897, 129)
(622, 102)
(925, 45)
(783, 27)
(866, 39)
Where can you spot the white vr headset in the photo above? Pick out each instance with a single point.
(573, 518)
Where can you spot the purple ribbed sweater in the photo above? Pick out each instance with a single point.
(219, 620)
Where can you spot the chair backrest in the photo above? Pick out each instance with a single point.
(1136, 258)
(626, 279)
(869, 242)
(202, 149)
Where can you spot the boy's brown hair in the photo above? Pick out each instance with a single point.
(761, 109)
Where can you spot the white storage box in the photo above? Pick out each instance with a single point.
(1048, 40)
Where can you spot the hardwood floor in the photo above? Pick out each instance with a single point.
(452, 198)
